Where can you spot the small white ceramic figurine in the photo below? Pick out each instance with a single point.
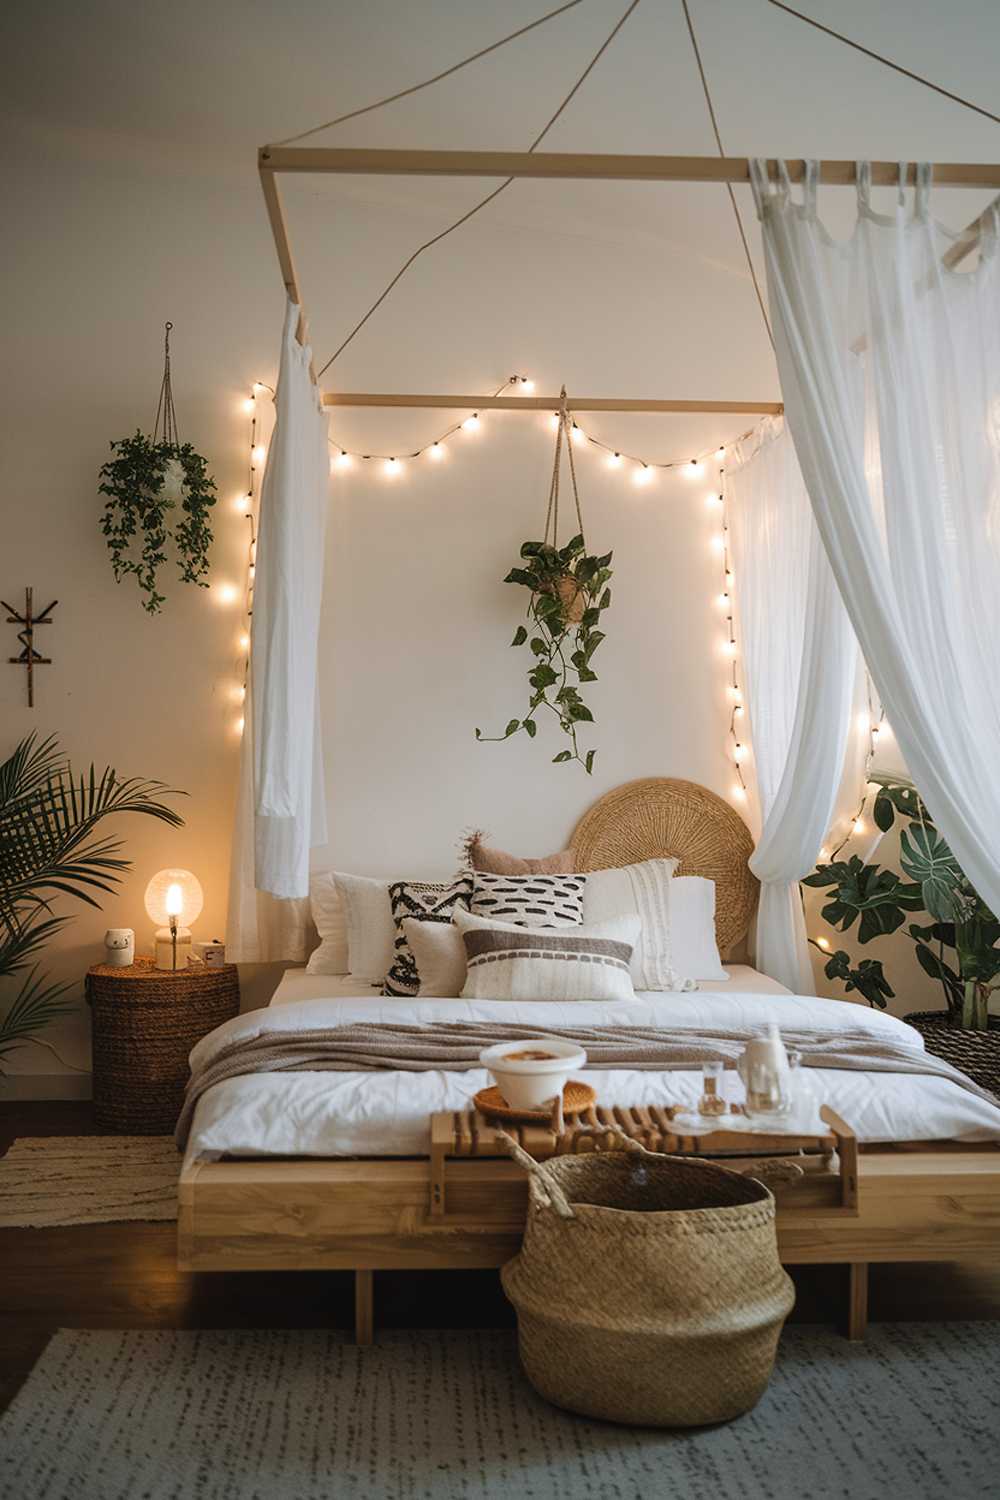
(119, 947)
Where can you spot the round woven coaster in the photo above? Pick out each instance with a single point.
(576, 1098)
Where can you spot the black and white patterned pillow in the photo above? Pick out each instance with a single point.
(426, 903)
(530, 900)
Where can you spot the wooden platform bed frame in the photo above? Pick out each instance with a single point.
(463, 1204)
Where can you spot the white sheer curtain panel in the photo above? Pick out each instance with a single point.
(890, 373)
(280, 808)
(799, 671)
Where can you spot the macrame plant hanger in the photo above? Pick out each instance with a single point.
(569, 590)
(165, 412)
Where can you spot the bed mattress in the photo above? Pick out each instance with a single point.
(387, 1113)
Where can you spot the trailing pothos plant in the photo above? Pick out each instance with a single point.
(958, 946)
(569, 593)
(146, 481)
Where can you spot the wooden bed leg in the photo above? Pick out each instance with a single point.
(857, 1313)
(364, 1307)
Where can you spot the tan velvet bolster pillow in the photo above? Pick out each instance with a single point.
(497, 862)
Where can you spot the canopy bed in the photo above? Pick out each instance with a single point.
(288, 1167)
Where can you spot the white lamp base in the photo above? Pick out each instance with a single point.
(168, 954)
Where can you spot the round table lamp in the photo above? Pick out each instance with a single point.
(173, 900)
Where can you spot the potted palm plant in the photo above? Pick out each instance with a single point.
(957, 947)
(49, 847)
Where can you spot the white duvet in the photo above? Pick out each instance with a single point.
(387, 1113)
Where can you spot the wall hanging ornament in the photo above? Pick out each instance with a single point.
(148, 478)
(569, 593)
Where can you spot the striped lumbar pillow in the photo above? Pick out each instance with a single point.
(529, 900)
(506, 962)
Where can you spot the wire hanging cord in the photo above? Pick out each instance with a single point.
(886, 61)
(729, 186)
(416, 87)
(552, 514)
(489, 197)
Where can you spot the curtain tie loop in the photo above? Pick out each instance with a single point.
(759, 183)
(922, 197)
(901, 184)
(863, 173)
(810, 182)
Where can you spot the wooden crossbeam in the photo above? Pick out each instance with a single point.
(595, 167)
(547, 403)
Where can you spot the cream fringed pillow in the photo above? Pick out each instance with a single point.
(496, 862)
(504, 962)
(645, 889)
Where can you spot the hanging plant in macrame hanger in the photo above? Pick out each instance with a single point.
(146, 482)
(569, 592)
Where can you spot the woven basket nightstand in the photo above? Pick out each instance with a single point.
(145, 1022)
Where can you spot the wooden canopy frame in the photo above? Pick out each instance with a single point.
(562, 165)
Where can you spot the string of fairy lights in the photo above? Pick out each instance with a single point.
(739, 748)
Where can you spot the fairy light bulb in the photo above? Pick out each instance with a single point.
(642, 476)
(824, 943)
(717, 543)
(471, 424)
(738, 710)
(729, 648)
(240, 724)
(824, 853)
(739, 752)
(226, 593)
(248, 405)
(554, 420)
(859, 825)
(577, 434)
(723, 600)
(694, 469)
(713, 499)
(392, 468)
(242, 503)
(739, 792)
(734, 692)
(527, 385)
(436, 452)
(614, 460)
(729, 577)
(720, 453)
(244, 642)
(258, 454)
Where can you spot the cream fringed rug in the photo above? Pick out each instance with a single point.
(448, 1416)
(88, 1179)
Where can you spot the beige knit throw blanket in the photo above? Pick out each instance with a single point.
(455, 1047)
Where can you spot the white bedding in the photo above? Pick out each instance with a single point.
(387, 1113)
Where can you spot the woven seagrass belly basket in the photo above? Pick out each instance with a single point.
(648, 1288)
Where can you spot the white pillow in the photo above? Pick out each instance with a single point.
(692, 919)
(509, 962)
(439, 954)
(371, 930)
(331, 957)
(645, 890)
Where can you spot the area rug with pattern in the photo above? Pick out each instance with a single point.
(46, 1181)
(296, 1415)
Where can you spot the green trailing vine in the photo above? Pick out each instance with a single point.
(146, 480)
(569, 593)
(140, 482)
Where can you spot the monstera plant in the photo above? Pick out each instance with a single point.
(957, 946)
(569, 592)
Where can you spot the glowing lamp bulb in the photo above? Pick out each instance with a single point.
(643, 475)
(614, 460)
(391, 468)
(717, 544)
(874, 731)
(734, 692)
(729, 575)
(693, 469)
(554, 420)
(723, 600)
(713, 499)
(258, 454)
(739, 792)
(859, 825)
(720, 453)
(729, 648)
(226, 593)
(823, 943)
(174, 894)
(471, 424)
(248, 405)
(526, 384)
(738, 710)
(740, 752)
(240, 724)
(435, 453)
(244, 642)
(577, 434)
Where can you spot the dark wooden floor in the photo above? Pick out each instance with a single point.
(126, 1276)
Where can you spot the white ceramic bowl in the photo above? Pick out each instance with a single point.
(530, 1083)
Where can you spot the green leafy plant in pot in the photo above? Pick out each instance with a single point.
(147, 480)
(957, 947)
(569, 589)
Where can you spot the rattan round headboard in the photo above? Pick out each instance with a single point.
(661, 816)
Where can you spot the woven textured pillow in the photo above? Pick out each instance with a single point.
(498, 862)
(530, 900)
(646, 889)
(421, 901)
(542, 963)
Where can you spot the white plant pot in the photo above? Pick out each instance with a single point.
(530, 1083)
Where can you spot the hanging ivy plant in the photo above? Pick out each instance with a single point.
(146, 480)
(569, 593)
